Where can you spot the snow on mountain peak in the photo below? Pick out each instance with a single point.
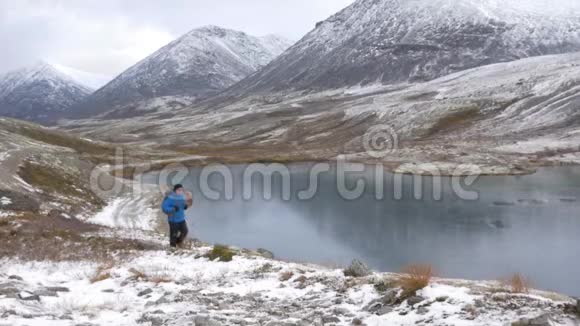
(91, 80)
(400, 41)
(39, 92)
(199, 64)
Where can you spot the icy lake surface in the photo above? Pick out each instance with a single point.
(525, 224)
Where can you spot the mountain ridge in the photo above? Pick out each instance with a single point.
(395, 41)
(39, 93)
(197, 65)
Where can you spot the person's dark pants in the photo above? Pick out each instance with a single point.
(177, 233)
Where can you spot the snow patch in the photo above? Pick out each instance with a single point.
(5, 201)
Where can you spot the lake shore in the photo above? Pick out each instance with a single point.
(157, 287)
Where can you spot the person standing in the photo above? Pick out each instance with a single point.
(174, 206)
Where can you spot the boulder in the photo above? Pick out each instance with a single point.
(27, 296)
(385, 310)
(415, 300)
(265, 253)
(15, 277)
(8, 289)
(57, 289)
(357, 269)
(144, 292)
(205, 321)
(45, 293)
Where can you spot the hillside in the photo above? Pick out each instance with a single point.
(39, 93)
(193, 67)
(399, 41)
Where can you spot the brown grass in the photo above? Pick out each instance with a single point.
(517, 283)
(137, 273)
(37, 237)
(285, 276)
(157, 279)
(102, 273)
(458, 119)
(56, 181)
(414, 278)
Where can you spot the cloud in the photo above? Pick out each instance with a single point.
(108, 36)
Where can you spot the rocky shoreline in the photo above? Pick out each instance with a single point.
(157, 287)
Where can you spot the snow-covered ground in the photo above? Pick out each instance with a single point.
(158, 287)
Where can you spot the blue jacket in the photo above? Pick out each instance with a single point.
(174, 206)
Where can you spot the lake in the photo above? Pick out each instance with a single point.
(526, 224)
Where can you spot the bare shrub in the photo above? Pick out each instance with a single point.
(285, 276)
(415, 278)
(517, 283)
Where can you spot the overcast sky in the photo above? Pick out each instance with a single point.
(108, 36)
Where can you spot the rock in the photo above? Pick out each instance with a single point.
(357, 269)
(341, 311)
(542, 320)
(108, 291)
(578, 306)
(265, 253)
(384, 310)
(357, 322)
(498, 224)
(442, 298)
(422, 311)
(27, 296)
(330, 319)
(151, 320)
(7, 289)
(144, 292)
(57, 289)
(390, 298)
(205, 321)
(15, 277)
(373, 306)
(45, 293)
(415, 300)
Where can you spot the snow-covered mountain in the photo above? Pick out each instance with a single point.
(39, 93)
(88, 79)
(197, 65)
(394, 41)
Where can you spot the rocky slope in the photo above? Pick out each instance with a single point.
(506, 118)
(195, 66)
(39, 93)
(399, 41)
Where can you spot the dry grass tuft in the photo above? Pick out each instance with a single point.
(137, 273)
(415, 278)
(157, 279)
(285, 276)
(102, 273)
(517, 283)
